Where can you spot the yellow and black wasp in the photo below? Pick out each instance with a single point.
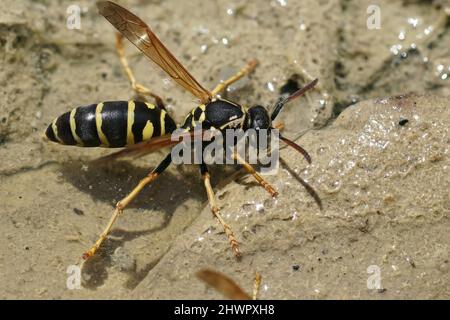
(143, 127)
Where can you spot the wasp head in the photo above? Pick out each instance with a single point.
(258, 118)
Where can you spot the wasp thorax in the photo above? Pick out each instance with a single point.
(258, 118)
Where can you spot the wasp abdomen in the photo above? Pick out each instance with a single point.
(110, 124)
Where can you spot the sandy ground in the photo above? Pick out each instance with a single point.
(385, 187)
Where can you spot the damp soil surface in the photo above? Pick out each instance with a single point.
(376, 127)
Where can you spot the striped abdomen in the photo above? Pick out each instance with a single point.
(110, 124)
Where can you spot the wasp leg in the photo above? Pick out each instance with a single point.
(266, 185)
(279, 126)
(251, 65)
(256, 285)
(137, 87)
(120, 206)
(216, 212)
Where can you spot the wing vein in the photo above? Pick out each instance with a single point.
(140, 34)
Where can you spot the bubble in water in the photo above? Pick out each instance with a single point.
(201, 30)
(428, 30)
(259, 207)
(413, 22)
(282, 3)
(395, 49)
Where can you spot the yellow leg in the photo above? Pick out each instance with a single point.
(258, 178)
(120, 206)
(256, 285)
(126, 201)
(138, 88)
(244, 71)
(216, 212)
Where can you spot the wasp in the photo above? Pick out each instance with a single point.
(143, 127)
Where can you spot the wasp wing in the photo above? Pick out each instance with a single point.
(223, 284)
(140, 149)
(142, 37)
(156, 143)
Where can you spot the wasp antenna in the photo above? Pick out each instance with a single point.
(303, 90)
(296, 147)
(280, 104)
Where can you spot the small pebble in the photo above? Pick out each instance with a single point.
(403, 121)
(78, 211)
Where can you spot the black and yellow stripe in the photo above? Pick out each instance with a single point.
(216, 114)
(110, 124)
(196, 117)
